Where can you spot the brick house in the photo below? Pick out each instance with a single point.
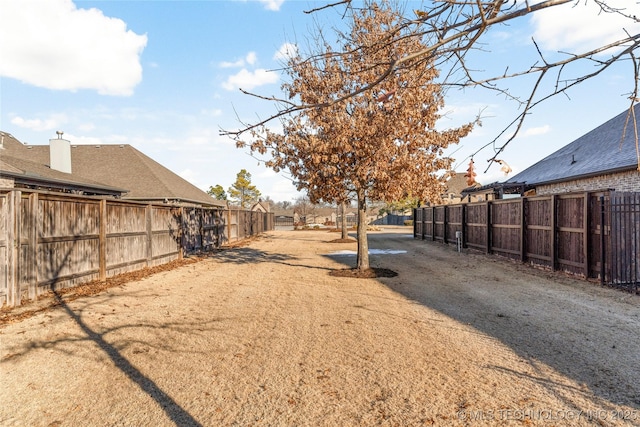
(605, 158)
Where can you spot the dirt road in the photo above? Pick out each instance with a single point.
(263, 335)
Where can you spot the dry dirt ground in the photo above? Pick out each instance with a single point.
(263, 335)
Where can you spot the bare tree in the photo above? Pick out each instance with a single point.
(372, 141)
(451, 30)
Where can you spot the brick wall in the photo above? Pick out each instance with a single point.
(623, 181)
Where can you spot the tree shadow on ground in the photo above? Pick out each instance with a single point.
(247, 256)
(53, 268)
(588, 355)
(113, 350)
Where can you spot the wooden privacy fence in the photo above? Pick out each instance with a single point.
(560, 232)
(50, 241)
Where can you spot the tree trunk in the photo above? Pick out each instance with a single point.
(343, 208)
(363, 244)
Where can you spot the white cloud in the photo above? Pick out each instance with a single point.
(55, 45)
(189, 175)
(83, 140)
(212, 113)
(250, 59)
(267, 173)
(281, 190)
(540, 130)
(272, 4)
(286, 51)
(250, 79)
(235, 64)
(581, 26)
(87, 127)
(53, 122)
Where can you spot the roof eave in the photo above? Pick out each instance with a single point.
(62, 184)
(177, 200)
(585, 175)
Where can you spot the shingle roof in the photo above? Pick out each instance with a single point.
(603, 150)
(19, 162)
(121, 166)
(456, 184)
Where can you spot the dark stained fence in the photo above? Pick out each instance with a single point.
(562, 232)
(625, 240)
(417, 223)
(454, 222)
(51, 240)
(283, 221)
(475, 229)
(539, 219)
(392, 219)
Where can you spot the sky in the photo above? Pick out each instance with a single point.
(164, 76)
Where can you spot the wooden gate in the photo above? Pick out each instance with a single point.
(625, 240)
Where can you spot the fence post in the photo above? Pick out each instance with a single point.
(32, 254)
(602, 246)
(149, 228)
(585, 230)
(13, 245)
(445, 209)
(424, 223)
(102, 240)
(523, 230)
(554, 236)
(463, 225)
(433, 223)
(415, 218)
(488, 227)
(180, 233)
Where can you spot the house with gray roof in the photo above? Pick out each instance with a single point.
(107, 170)
(605, 158)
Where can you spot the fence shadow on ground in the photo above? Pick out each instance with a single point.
(589, 356)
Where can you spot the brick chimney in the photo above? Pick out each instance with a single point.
(60, 154)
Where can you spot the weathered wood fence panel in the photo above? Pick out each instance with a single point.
(127, 242)
(6, 231)
(63, 238)
(51, 240)
(560, 232)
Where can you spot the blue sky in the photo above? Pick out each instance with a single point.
(163, 76)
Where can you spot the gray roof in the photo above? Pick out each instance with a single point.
(120, 166)
(18, 162)
(603, 150)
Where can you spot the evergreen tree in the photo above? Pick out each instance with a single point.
(242, 191)
(217, 192)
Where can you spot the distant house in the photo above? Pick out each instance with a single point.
(454, 188)
(604, 158)
(109, 170)
(261, 206)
